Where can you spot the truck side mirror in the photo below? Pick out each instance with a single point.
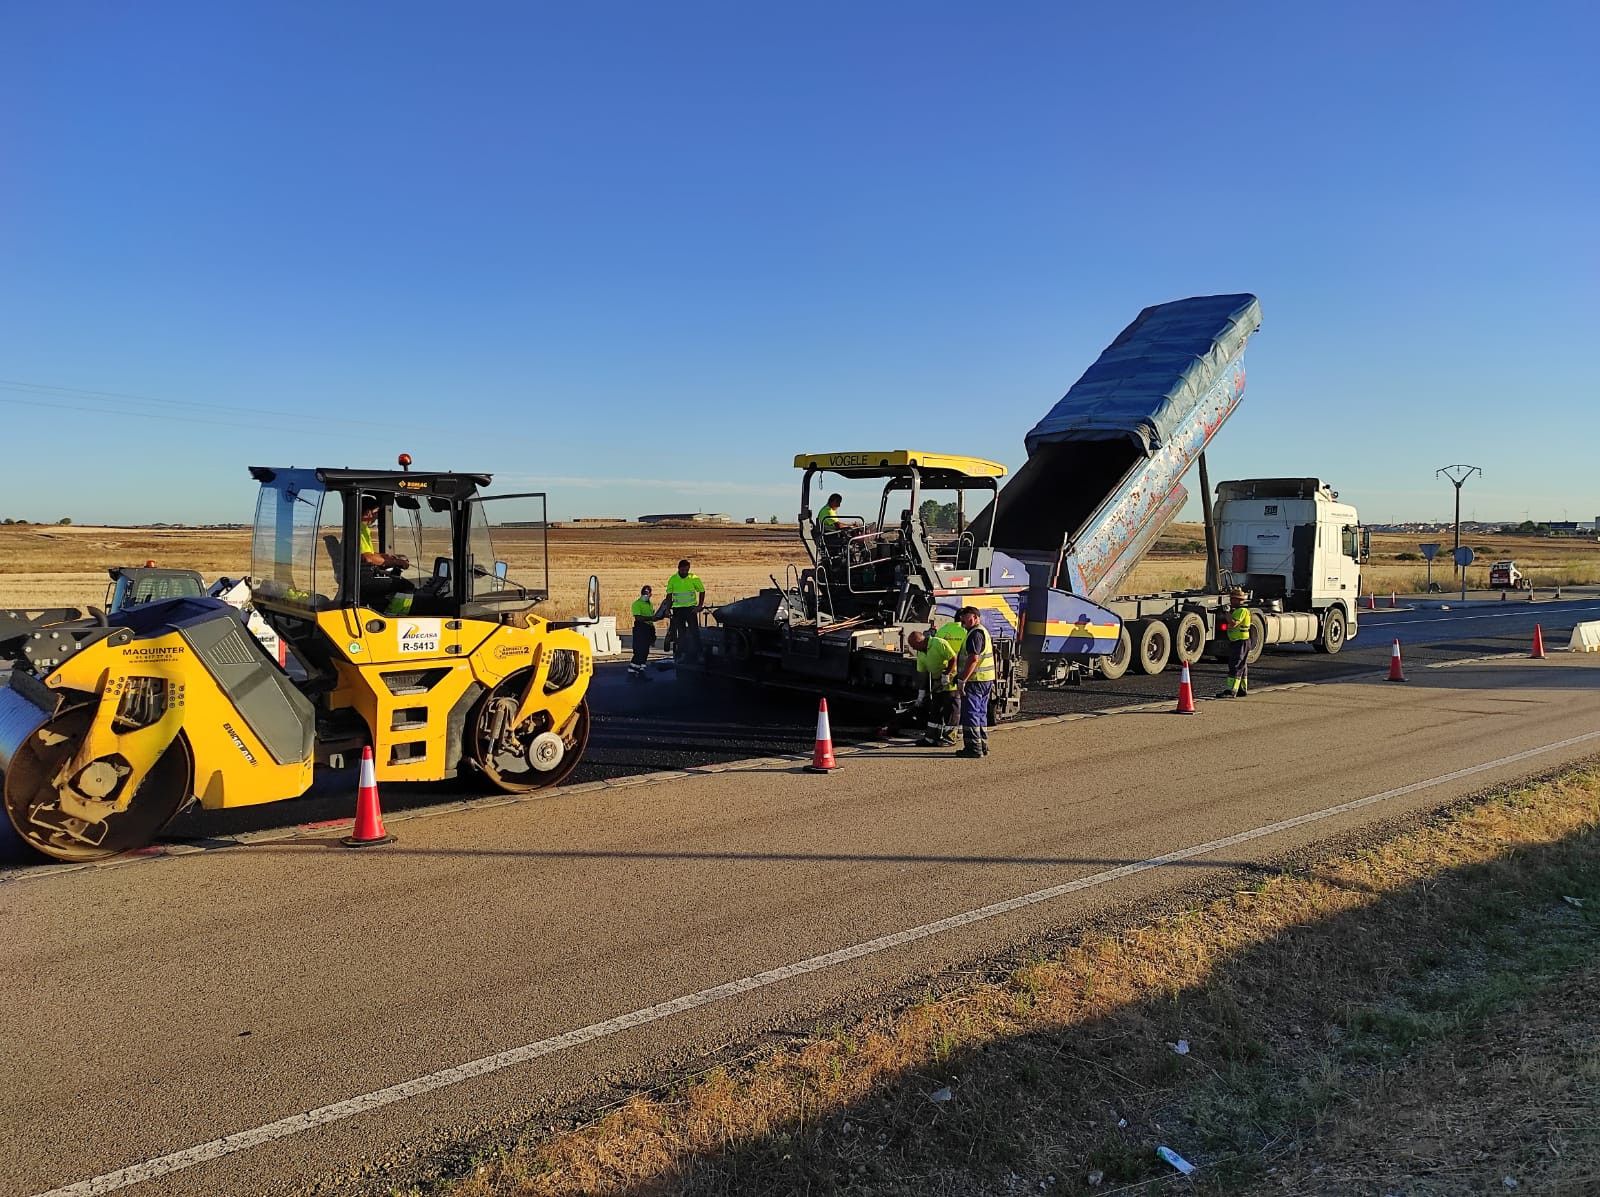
(501, 569)
(1366, 545)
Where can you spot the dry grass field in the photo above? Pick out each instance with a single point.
(50, 565)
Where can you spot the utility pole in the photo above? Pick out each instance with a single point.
(1458, 474)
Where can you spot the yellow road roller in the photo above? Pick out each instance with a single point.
(407, 632)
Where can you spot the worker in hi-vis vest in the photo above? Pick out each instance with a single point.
(936, 662)
(975, 676)
(384, 585)
(644, 631)
(828, 517)
(686, 594)
(1239, 621)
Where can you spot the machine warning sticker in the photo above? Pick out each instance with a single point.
(419, 636)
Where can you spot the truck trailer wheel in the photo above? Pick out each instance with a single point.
(1152, 646)
(1332, 638)
(1115, 663)
(1189, 638)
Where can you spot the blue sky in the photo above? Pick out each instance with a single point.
(643, 254)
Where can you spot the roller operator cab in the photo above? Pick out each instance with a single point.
(408, 634)
(1297, 550)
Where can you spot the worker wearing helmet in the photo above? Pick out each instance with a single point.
(686, 594)
(644, 631)
(936, 662)
(975, 674)
(1240, 620)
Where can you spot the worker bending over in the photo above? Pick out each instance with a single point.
(687, 594)
(936, 660)
(974, 683)
(1239, 621)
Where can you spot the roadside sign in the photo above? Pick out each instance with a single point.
(1429, 551)
(1463, 556)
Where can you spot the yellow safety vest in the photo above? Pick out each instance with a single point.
(985, 670)
(367, 544)
(643, 608)
(1239, 623)
(682, 591)
(954, 633)
(935, 661)
(829, 518)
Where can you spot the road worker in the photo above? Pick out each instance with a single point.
(1239, 622)
(687, 594)
(828, 517)
(975, 676)
(936, 661)
(383, 586)
(954, 633)
(644, 630)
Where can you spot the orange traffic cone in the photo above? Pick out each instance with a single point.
(1538, 643)
(1396, 673)
(822, 759)
(1372, 601)
(1185, 692)
(368, 830)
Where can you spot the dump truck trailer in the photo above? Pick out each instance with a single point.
(1104, 479)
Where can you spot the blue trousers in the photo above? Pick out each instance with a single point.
(1239, 662)
(975, 715)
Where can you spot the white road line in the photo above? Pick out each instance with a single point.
(1469, 618)
(297, 1123)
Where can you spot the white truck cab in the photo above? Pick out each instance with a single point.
(1295, 548)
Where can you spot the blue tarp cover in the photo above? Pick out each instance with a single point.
(1153, 374)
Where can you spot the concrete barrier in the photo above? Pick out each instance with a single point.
(1586, 637)
(601, 635)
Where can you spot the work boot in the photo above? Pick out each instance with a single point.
(927, 742)
(1226, 694)
(971, 754)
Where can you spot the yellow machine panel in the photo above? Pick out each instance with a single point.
(865, 463)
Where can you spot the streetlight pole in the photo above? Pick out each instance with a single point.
(1458, 474)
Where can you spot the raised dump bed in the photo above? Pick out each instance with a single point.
(1104, 475)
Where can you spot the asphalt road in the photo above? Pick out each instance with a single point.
(660, 724)
(162, 1004)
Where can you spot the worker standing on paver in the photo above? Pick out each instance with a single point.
(1239, 621)
(974, 683)
(936, 660)
(687, 594)
(644, 631)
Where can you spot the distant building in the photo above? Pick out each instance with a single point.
(686, 517)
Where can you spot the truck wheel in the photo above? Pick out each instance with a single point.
(1332, 638)
(1152, 646)
(1189, 638)
(1258, 641)
(1115, 663)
